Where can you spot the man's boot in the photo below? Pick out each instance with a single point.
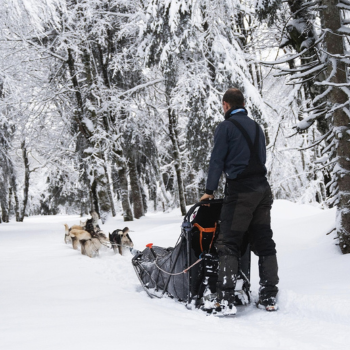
(268, 271)
(225, 287)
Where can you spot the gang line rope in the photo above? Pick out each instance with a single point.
(178, 273)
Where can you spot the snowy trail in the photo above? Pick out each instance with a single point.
(52, 297)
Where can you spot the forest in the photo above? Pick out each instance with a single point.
(111, 105)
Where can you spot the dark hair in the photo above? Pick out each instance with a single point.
(234, 97)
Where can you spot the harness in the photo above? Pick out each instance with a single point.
(120, 245)
(208, 230)
(255, 167)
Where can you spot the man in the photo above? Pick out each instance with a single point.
(240, 152)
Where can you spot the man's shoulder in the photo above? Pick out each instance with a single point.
(240, 118)
(225, 127)
(223, 124)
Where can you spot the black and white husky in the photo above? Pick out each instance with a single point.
(121, 240)
(91, 225)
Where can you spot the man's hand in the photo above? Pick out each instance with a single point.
(206, 196)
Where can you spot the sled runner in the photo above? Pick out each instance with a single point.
(188, 272)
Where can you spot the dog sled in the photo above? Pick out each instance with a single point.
(188, 272)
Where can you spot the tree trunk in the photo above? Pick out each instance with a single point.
(144, 199)
(335, 46)
(79, 112)
(154, 197)
(160, 180)
(4, 212)
(94, 198)
(192, 194)
(101, 198)
(124, 190)
(4, 201)
(152, 190)
(14, 187)
(26, 180)
(109, 190)
(136, 194)
(115, 181)
(177, 159)
(4, 187)
(10, 201)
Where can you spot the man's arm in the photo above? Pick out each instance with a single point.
(217, 160)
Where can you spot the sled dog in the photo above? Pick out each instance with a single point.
(77, 236)
(91, 247)
(91, 225)
(120, 240)
(67, 237)
(81, 226)
(89, 228)
(88, 234)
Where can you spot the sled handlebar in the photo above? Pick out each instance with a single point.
(206, 202)
(150, 246)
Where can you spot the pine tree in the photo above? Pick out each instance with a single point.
(319, 66)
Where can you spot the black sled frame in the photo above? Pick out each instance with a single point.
(161, 270)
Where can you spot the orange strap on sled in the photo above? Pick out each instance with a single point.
(201, 230)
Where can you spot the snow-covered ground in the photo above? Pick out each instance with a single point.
(52, 297)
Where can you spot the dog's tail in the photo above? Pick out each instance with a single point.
(72, 232)
(66, 229)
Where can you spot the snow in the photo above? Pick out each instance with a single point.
(52, 297)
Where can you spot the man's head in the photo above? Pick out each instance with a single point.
(232, 98)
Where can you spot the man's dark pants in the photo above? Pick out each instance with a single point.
(246, 210)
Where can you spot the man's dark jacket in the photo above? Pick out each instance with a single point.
(231, 151)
